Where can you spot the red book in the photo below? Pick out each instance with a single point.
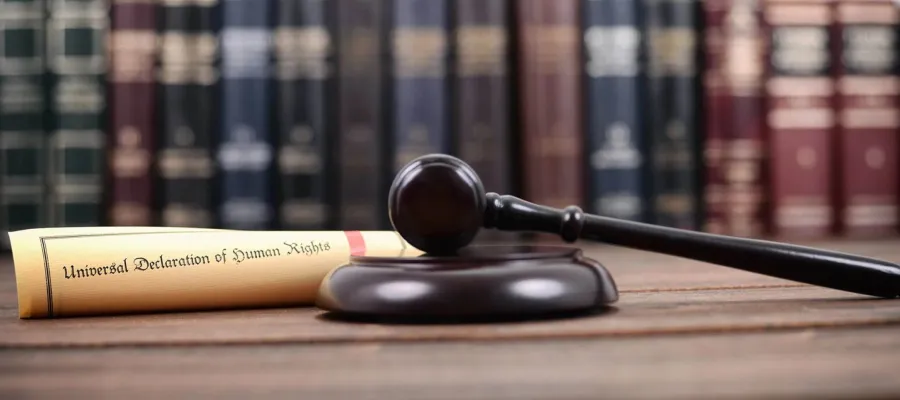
(800, 117)
(131, 98)
(868, 117)
(742, 67)
(549, 46)
(716, 106)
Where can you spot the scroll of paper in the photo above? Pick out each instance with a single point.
(119, 270)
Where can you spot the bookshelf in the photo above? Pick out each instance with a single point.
(763, 118)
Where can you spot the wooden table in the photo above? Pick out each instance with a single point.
(681, 329)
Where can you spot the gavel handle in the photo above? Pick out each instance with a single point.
(820, 267)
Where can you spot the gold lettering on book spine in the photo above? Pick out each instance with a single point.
(800, 50)
(205, 50)
(186, 58)
(298, 155)
(419, 52)
(79, 94)
(182, 215)
(550, 46)
(481, 51)
(299, 212)
(743, 65)
(130, 159)
(132, 55)
(361, 49)
(673, 52)
(870, 88)
(302, 53)
(128, 213)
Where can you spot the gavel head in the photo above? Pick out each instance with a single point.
(437, 204)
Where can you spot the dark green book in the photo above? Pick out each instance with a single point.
(76, 51)
(22, 139)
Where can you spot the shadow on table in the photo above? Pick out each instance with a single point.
(480, 319)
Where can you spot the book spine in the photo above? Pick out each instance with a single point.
(614, 127)
(672, 74)
(550, 101)
(303, 51)
(480, 93)
(132, 54)
(868, 104)
(658, 185)
(77, 63)
(419, 52)
(716, 134)
(23, 142)
(245, 145)
(361, 138)
(743, 63)
(187, 93)
(481, 90)
(800, 118)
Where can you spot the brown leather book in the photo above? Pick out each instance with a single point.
(799, 117)
(132, 56)
(716, 111)
(550, 101)
(868, 117)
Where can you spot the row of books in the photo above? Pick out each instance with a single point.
(742, 117)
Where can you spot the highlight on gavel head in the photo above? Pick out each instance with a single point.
(436, 203)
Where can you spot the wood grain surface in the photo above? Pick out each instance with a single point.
(681, 329)
(806, 363)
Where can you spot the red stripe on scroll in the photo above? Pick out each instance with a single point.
(357, 243)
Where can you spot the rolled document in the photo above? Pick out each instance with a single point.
(63, 272)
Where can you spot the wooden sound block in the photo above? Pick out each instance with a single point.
(478, 282)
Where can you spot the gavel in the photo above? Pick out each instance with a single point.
(438, 204)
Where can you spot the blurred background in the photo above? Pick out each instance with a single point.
(748, 118)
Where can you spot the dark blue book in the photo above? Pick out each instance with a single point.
(671, 95)
(614, 109)
(245, 146)
(304, 119)
(419, 49)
